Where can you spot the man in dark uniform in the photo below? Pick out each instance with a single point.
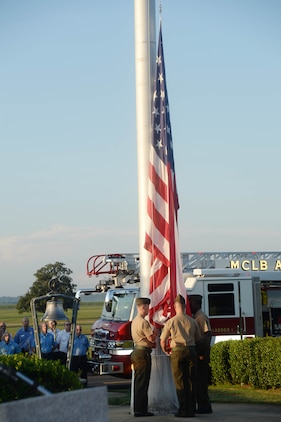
(184, 333)
(203, 354)
(144, 340)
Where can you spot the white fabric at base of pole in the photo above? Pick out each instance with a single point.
(162, 396)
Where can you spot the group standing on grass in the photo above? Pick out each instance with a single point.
(186, 340)
(54, 344)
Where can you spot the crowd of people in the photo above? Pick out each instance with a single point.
(54, 344)
(186, 340)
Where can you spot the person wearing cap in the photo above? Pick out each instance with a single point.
(183, 332)
(203, 354)
(144, 340)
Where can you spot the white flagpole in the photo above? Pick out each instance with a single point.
(162, 394)
(145, 54)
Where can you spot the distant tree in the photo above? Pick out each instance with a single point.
(51, 278)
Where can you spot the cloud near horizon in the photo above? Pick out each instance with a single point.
(21, 256)
(58, 238)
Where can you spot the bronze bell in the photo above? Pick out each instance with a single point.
(54, 311)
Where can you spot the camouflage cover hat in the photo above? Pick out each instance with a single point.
(142, 301)
(180, 299)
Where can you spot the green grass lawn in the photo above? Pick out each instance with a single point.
(244, 394)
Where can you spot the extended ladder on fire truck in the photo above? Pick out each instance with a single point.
(129, 263)
(192, 260)
(121, 268)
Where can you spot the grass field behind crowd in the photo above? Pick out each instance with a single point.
(88, 313)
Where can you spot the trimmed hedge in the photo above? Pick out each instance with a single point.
(255, 362)
(50, 374)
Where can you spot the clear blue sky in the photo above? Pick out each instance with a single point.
(68, 134)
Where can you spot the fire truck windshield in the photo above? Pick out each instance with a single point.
(118, 305)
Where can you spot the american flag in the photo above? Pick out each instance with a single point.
(161, 237)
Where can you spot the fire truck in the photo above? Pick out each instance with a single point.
(241, 296)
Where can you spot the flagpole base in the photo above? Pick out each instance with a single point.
(162, 396)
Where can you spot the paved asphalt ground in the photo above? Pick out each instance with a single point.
(221, 412)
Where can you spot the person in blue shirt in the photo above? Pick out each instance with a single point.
(25, 337)
(8, 346)
(47, 342)
(79, 354)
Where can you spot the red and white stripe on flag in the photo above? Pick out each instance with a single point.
(161, 237)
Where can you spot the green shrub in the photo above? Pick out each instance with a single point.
(268, 363)
(219, 362)
(242, 361)
(238, 369)
(256, 362)
(50, 374)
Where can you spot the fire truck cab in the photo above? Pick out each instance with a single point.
(111, 342)
(238, 305)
